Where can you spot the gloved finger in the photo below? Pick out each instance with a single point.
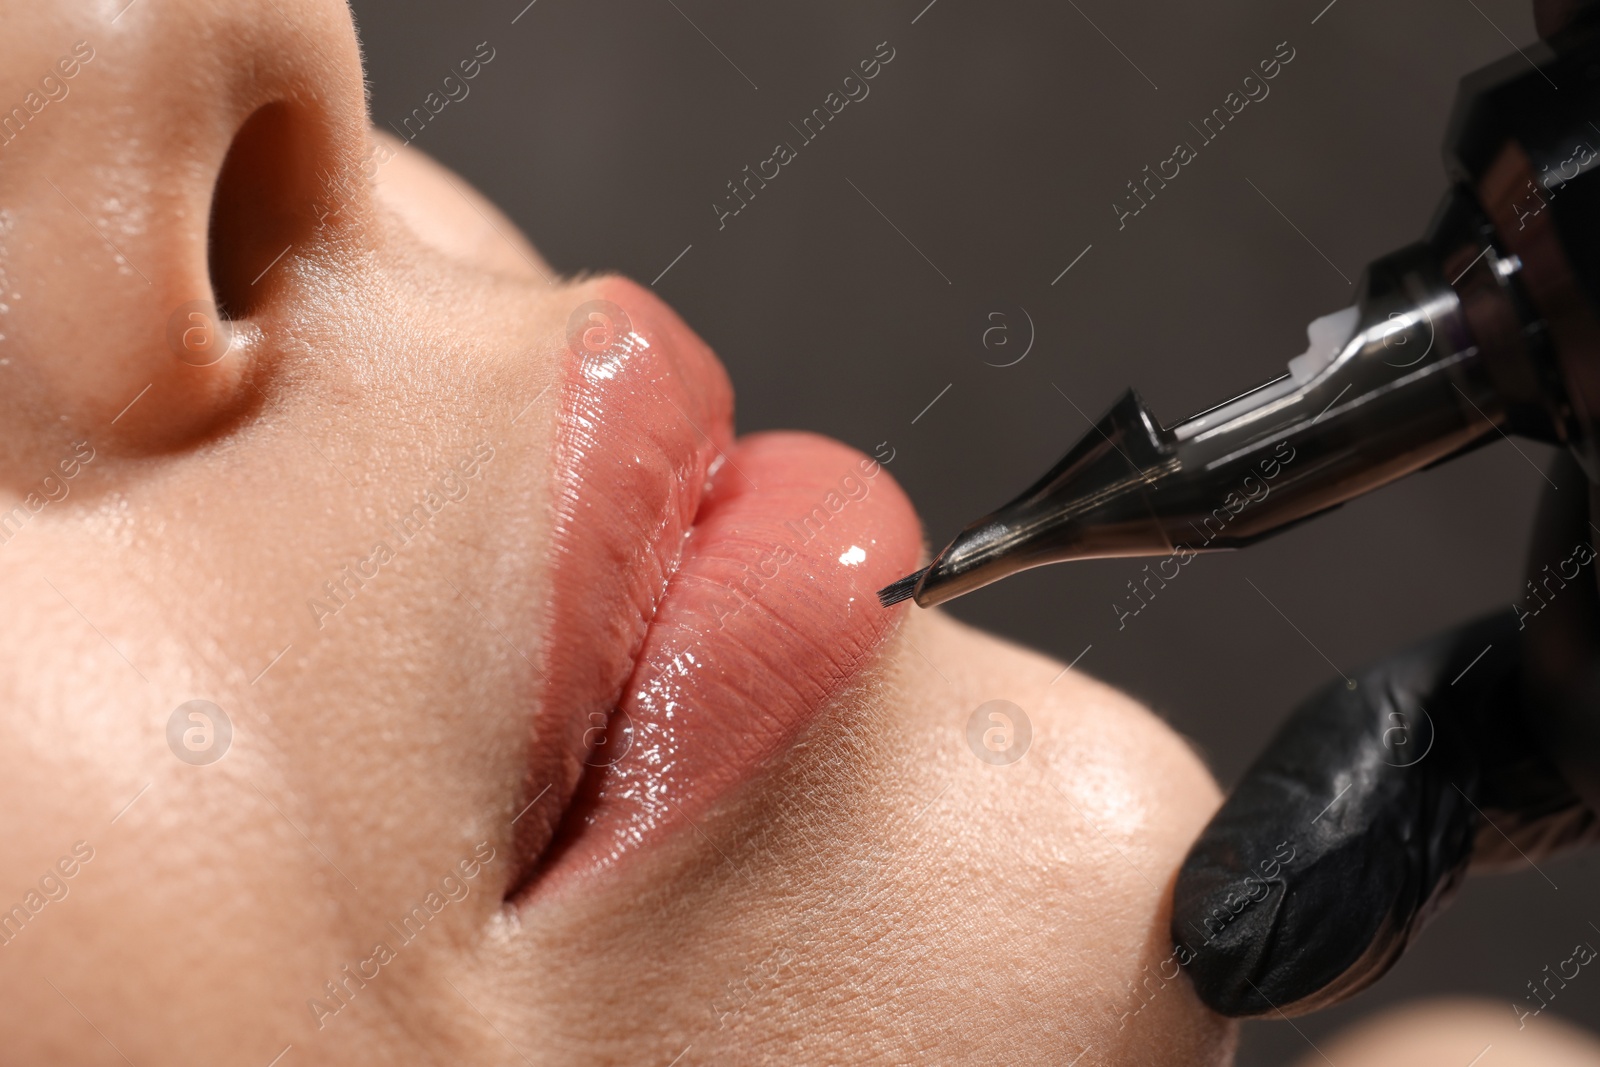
(1355, 825)
(1348, 832)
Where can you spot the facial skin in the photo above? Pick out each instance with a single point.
(873, 895)
(1452, 1030)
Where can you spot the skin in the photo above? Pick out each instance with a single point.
(1453, 1030)
(876, 895)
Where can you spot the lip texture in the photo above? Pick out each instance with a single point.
(708, 595)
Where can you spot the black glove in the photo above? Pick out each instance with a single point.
(1478, 748)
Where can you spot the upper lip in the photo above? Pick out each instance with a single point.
(717, 592)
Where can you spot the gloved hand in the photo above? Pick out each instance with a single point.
(1477, 749)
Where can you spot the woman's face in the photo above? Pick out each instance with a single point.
(414, 667)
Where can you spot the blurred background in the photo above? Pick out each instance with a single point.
(972, 190)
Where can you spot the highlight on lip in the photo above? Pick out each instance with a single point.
(730, 586)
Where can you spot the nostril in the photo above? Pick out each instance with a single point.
(261, 207)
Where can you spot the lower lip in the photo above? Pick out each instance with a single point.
(764, 608)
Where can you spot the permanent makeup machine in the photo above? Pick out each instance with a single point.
(1489, 325)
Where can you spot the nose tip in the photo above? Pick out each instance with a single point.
(164, 158)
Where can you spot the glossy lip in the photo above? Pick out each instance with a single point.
(709, 595)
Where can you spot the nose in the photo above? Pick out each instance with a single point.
(173, 175)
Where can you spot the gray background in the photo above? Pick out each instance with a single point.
(996, 142)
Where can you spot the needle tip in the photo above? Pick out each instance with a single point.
(904, 589)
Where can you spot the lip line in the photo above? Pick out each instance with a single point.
(663, 538)
(717, 692)
(570, 699)
(539, 864)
